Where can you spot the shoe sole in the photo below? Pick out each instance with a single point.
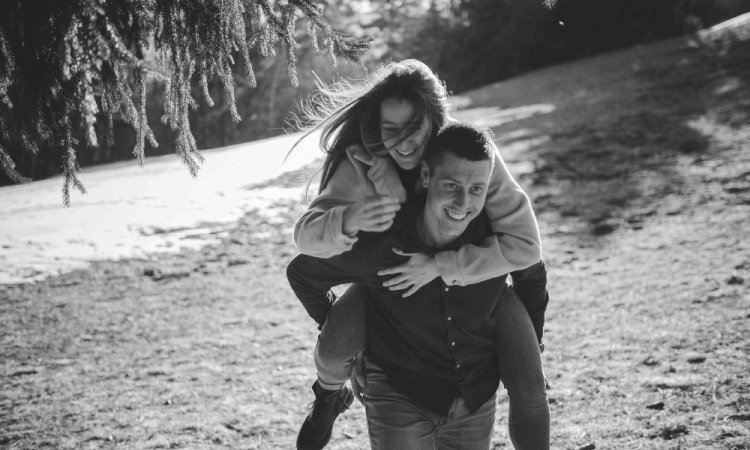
(321, 445)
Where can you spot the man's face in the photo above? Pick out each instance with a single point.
(456, 191)
(403, 139)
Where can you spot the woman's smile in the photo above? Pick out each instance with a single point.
(396, 121)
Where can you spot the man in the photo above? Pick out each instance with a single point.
(431, 359)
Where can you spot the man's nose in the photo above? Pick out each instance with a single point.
(462, 198)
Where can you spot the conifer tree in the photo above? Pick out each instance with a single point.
(66, 64)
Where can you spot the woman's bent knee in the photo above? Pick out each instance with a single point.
(343, 335)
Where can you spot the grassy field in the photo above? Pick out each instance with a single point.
(640, 175)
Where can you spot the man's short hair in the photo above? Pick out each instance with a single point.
(463, 140)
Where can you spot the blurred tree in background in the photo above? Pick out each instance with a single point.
(267, 107)
(67, 67)
(474, 42)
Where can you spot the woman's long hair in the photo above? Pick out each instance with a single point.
(349, 113)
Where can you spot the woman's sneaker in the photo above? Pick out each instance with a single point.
(316, 429)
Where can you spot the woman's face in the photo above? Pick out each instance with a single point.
(405, 141)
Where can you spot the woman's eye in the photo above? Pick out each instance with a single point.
(395, 128)
(416, 127)
(388, 132)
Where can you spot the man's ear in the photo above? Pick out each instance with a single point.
(425, 175)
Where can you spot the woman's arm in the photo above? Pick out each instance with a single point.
(348, 203)
(515, 245)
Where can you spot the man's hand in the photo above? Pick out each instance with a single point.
(375, 213)
(415, 273)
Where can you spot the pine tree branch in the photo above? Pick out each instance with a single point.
(84, 60)
(9, 168)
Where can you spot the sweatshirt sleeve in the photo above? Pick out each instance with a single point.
(319, 231)
(515, 245)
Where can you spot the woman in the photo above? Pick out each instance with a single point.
(374, 135)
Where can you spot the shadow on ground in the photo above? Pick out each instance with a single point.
(303, 177)
(623, 167)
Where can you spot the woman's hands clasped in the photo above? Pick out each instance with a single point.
(374, 214)
(412, 275)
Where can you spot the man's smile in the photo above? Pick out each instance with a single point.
(454, 215)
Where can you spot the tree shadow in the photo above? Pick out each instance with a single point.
(623, 165)
(304, 177)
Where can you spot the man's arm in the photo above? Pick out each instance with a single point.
(531, 286)
(312, 278)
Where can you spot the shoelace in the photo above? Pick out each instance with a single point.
(311, 405)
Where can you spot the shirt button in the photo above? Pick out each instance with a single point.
(453, 344)
(450, 318)
(458, 365)
(446, 289)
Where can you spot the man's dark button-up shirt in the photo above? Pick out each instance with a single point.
(435, 345)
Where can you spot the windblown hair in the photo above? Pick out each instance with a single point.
(349, 113)
(463, 140)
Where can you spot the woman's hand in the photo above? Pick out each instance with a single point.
(373, 214)
(415, 273)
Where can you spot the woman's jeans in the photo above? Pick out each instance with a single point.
(342, 338)
(395, 422)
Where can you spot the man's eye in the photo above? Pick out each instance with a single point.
(451, 186)
(477, 190)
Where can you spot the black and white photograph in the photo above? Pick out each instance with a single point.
(375, 224)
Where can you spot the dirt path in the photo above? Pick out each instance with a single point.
(645, 222)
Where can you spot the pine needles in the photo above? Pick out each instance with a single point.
(66, 66)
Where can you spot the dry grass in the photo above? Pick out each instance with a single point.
(643, 195)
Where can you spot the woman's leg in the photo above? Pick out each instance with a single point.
(522, 374)
(341, 338)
